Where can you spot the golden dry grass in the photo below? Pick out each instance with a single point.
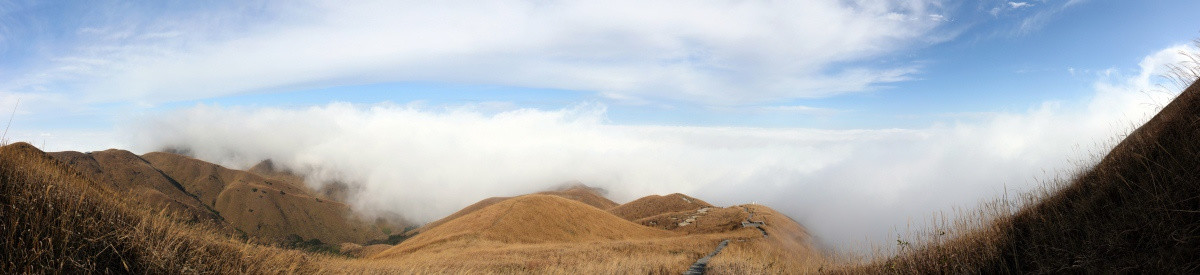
(532, 218)
(583, 193)
(56, 220)
(334, 190)
(652, 205)
(466, 210)
(712, 220)
(547, 234)
(664, 255)
(271, 209)
(577, 192)
(127, 173)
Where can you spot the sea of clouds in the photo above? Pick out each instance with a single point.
(851, 188)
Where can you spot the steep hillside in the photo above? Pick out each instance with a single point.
(54, 219)
(655, 205)
(207, 180)
(266, 208)
(533, 218)
(1137, 211)
(135, 178)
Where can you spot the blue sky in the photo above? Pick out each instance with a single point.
(885, 110)
(987, 56)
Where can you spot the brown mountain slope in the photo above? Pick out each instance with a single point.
(462, 212)
(137, 179)
(1137, 211)
(267, 169)
(336, 191)
(787, 247)
(655, 205)
(207, 180)
(55, 219)
(266, 208)
(531, 219)
(578, 192)
(703, 220)
(548, 234)
(583, 193)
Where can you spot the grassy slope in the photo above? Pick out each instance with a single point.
(336, 191)
(55, 219)
(652, 205)
(462, 212)
(1137, 210)
(530, 219)
(584, 194)
(125, 172)
(271, 209)
(712, 221)
(548, 234)
(520, 250)
(580, 193)
(787, 249)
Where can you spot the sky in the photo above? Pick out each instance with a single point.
(857, 118)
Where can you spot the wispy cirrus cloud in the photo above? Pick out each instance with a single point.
(800, 109)
(1035, 21)
(707, 52)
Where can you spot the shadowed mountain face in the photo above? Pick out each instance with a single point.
(1138, 208)
(1137, 211)
(126, 172)
(57, 219)
(268, 208)
(274, 209)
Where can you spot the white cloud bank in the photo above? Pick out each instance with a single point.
(712, 52)
(844, 185)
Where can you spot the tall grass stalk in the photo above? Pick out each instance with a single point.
(4, 137)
